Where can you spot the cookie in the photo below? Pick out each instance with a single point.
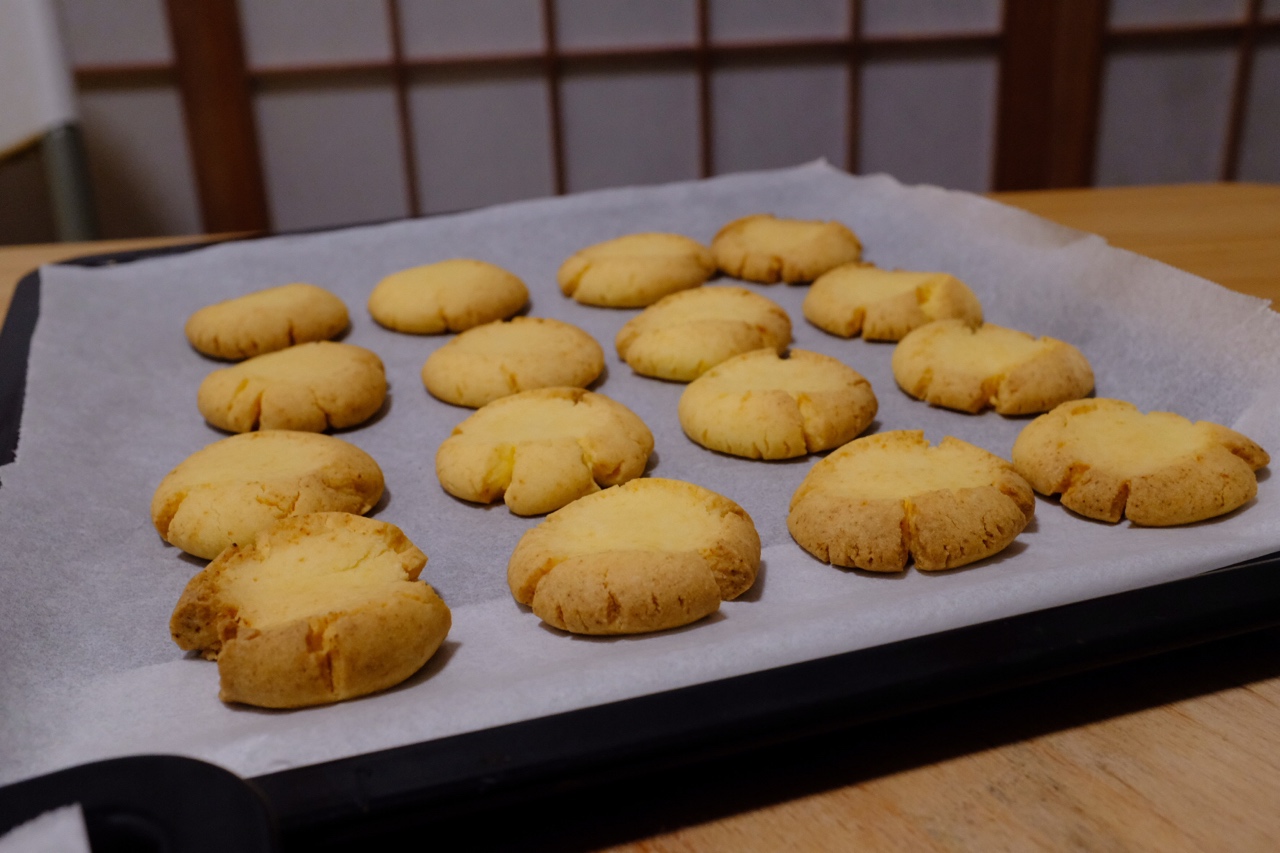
(314, 609)
(766, 249)
(635, 270)
(954, 365)
(885, 498)
(763, 406)
(227, 492)
(883, 305)
(310, 387)
(449, 296)
(1109, 460)
(685, 334)
(538, 450)
(266, 321)
(496, 359)
(644, 556)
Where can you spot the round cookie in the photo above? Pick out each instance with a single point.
(1109, 460)
(767, 249)
(881, 499)
(635, 270)
(266, 321)
(762, 406)
(315, 609)
(449, 296)
(496, 359)
(644, 556)
(685, 334)
(954, 365)
(883, 305)
(538, 450)
(310, 387)
(227, 492)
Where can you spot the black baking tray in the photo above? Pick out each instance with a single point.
(629, 749)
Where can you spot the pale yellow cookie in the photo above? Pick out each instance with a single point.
(882, 499)
(315, 609)
(449, 296)
(766, 249)
(883, 305)
(310, 387)
(227, 492)
(635, 270)
(266, 321)
(763, 406)
(538, 450)
(1109, 460)
(685, 334)
(954, 365)
(644, 556)
(496, 359)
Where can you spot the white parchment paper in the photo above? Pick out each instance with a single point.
(87, 669)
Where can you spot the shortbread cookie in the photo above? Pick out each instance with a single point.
(644, 556)
(229, 491)
(882, 499)
(883, 305)
(538, 450)
(1109, 461)
(496, 359)
(762, 406)
(685, 334)
(951, 364)
(635, 270)
(449, 296)
(266, 321)
(766, 249)
(310, 387)
(315, 609)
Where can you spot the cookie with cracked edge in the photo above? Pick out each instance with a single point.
(309, 387)
(762, 406)
(886, 498)
(1110, 461)
(448, 296)
(767, 249)
(266, 321)
(509, 356)
(635, 270)
(315, 609)
(539, 450)
(644, 556)
(227, 492)
(956, 366)
(883, 305)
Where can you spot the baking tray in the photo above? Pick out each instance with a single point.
(394, 793)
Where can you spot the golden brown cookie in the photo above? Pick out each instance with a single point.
(227, 492)
(644, 556)
(266, 321)
(315, 609)
(883, 305)
(538, 450)
(954, 365)
(763, 406)
(882, 499)
(685, 334)
(449, 296)
(310, 387)
(635, 270)
(1109, 461)
(496, 359)
(766, 249)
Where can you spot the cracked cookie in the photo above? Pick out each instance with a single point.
(449, 296)
(266, 321)
(766, 249)
(644, 556)
(635, 270)
(883, 305)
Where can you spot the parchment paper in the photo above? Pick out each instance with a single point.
(88, 670)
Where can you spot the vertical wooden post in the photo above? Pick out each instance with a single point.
(404, 115)
(551, 73)
(706, 130)
(853, 79)
(1245, 51)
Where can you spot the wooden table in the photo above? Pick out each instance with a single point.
(1177, 753)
